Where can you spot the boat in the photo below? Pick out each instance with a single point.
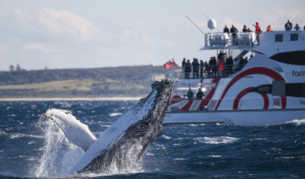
(268, 90)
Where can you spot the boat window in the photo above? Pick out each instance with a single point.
(278, 37)
(294, 37)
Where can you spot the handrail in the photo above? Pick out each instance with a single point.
(210, 71)
(242, 39)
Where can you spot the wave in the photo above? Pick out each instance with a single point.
(166, 137)
(217, 140)
(214, 156)
(115, 114)
(297, 122)
(18, 135)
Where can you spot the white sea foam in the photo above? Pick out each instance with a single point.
(215, 156)
(297, 122)
(104, 125)
(166, 137)
(18, 135)
(217, 140)
(180, 159)
(115, 114)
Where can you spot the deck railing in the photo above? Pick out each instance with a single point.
(212, 71)
(247, 39)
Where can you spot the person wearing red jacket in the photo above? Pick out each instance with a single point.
(221, 66)
(257, 31)
(257, 28)
(269, 29)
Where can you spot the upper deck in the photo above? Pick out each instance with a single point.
(268, 43)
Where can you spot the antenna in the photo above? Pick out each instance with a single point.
(195, 25)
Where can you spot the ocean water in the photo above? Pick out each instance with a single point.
(31, 147)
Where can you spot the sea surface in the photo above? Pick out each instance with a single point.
(32, 147)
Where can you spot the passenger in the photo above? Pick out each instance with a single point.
(183, 62)
(199, 94)
(297, 27)
(207, 69)
(245, 28)
(196, 69)
(221, 66)
(257, 31)
(221, 55)
(188, 69)
(201, 68)
(214, 67)
(226, 30)
(234, 31)
(257, 28)
(269, 28)
(210, 67)
(288, 26)
(235, 65)
(190, 94)
(229, 65)
(193, 67)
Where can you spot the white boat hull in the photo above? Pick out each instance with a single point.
(236, 117)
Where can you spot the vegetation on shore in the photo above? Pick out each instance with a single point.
(95, 82)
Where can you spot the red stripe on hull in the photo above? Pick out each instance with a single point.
(187, 106)
(256, 70)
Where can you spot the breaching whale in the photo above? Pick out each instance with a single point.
(128, 137)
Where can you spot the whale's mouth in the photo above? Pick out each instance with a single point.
(125, 141)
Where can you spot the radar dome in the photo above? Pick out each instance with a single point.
(212, 24)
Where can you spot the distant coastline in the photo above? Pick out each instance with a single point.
(74, 99)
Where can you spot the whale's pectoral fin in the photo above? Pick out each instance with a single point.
(77, 132)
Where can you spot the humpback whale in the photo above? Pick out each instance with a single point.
(126, 140)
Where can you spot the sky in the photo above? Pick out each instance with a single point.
(98, 33)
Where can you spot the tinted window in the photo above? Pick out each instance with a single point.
(294, 37)
(279, 37)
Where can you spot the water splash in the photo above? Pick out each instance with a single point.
(59, 155)
(58, 152)
(297, 122)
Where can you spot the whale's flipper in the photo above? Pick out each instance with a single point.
(77, 132)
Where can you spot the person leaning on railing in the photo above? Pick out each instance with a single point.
(234, 31)
(245, 28)
(229, 65)
(201, 68)
(288, 25)
(207, 68)
(196, 68)
(188, 69)
(190, 94)
(226, 30)
(199, 94)
(297, 27)
(269, 29)
(221, 66)
(183, 66)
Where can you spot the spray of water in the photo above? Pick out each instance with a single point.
(59, 155)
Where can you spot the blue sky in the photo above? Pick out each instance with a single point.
(88, 34)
